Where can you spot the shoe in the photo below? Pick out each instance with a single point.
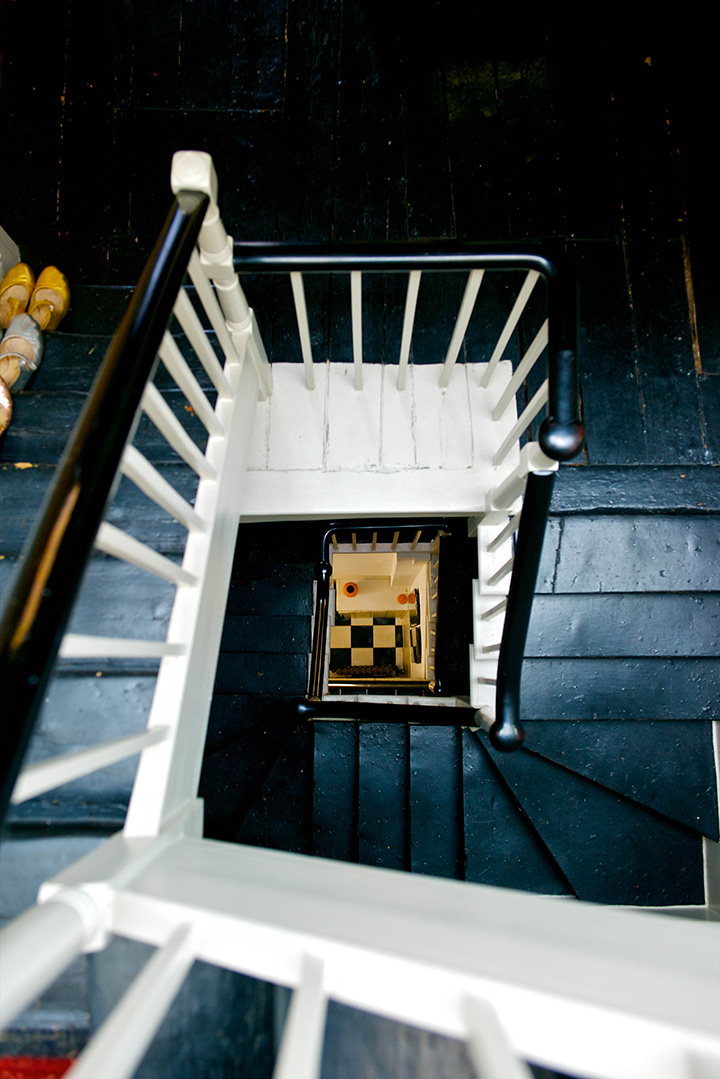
(21, 350)
(5, 406)
(50, 301)
(15, 291)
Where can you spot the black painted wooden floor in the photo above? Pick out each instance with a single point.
(361, 121)
(368, 121)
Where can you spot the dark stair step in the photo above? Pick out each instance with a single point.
(643, 760)
(436, 835)
(383, 782)
(233, 776)
(610, 849)
(281, 815)
(335, 790)
(502, 847)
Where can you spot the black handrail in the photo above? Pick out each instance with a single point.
(507, 733)
(561, 434)
(51, 566)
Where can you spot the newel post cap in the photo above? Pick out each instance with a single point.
(193, 170)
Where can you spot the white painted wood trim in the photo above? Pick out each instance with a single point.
(36, 948)
(300, 1050)
(488, 1046)
(512, 321)
(191, 324)
(156, 409)
(466, 309)
(523, 369)
(212, 308)
(408, 323)
(298, 291)
(86, 646)
(48, 774)
(168, 773)
(577, 987)
(119, 1045)
(115, 542)
(357, 337)
(146, 477)
(175, 363)
(528, 415)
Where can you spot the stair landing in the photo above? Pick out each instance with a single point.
(337, 451)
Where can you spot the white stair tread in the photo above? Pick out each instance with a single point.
(337, 451)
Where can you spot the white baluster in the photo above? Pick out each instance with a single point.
(114, 541)
(175, 363)
(408, 322)
(301, 1046)
(191, 324)
(303, 328)
(122, 1040)
(145, 476)
(156, 409)
(512, 321)
(48, 774)
(523, 422)
(356, 306)
(523, 370)
(466, 309)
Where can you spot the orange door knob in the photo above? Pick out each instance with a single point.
(350, 589)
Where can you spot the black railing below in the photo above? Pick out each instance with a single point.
(51, 566)
(507, 732)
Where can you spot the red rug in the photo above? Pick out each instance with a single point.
(33, 1067)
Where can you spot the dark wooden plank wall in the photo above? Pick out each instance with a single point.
(358, 120)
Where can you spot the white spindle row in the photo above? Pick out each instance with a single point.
(462, 322)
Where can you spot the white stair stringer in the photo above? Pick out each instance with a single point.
(488, 595)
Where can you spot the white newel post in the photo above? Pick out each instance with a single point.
(193, 170)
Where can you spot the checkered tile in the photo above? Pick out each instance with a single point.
(365, 642)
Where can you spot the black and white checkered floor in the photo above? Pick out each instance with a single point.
(371, 641)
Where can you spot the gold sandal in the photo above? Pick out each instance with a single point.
(50, 300)
(15, 291)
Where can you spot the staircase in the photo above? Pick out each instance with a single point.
(611, 801)
(591, 807)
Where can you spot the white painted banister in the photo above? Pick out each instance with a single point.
(512, 321)
(36, 948)
(356, 309)
(175, 363)
(408, 322)
(523, 370)
(86, 645)
(48, 774)
(156, 409)
(137, 468)
(466, 309)
(188, 319)
(301, 1047)
(298, 291)
(121, 1042)
(114, 541)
